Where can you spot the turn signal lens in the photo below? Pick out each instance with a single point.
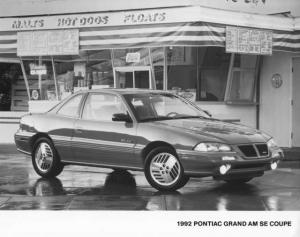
(228, 158)
(272, 144)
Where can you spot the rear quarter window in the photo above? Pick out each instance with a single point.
(71, 107)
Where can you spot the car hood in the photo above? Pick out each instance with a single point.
(226, 132)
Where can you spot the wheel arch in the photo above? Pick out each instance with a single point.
(36, 137)
(152, 145)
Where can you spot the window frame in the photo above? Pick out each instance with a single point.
(232, 69)
(68, 100)
(122, 100)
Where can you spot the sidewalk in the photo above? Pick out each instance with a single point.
(291, 155)
(8, 149)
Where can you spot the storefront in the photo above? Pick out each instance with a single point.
(221, 60)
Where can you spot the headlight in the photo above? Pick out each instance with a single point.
(211, 147)
(272, 144)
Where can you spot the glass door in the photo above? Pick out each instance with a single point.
(133, 77)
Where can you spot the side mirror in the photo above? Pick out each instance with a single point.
(120, 117)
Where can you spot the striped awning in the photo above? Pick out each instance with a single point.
(158, 35)
(185, 34)
(286, 41)
(8, 43)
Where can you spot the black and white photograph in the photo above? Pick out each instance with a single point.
(149, 118)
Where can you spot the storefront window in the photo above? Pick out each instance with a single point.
(213, 69)
(64, 69)
(198, 73)
(91, 69)
(182, 71)
(157, 57)
(40, 78)
(242, 79)
(99, 69)
(55, 78)
(131, 57)
(12, 97)
(133, 68)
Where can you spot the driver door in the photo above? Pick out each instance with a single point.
(99, 140)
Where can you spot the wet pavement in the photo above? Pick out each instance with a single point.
(85, 188)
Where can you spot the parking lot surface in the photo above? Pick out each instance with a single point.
(85, 188)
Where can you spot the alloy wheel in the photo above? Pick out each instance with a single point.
(44, 157)
(165, 169)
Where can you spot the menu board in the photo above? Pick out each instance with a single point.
(49, 42)
(249, 41)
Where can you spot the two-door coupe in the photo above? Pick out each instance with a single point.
(160, 133)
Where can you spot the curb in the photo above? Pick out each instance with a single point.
(289, 164)
(291, 154)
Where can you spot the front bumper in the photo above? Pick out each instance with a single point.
(197, 164)
(22, 141)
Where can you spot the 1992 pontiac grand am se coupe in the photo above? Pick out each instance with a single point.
(162, 134)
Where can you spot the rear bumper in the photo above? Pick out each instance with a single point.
(196, 164)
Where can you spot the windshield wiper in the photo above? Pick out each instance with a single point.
(154, 119)
(176, 117)
(198, 116)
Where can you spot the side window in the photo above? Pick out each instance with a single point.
(70, 108)
(102, 107)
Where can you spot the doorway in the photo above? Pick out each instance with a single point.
(296, 103)
(133, 77)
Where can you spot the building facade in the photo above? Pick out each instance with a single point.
(241, 67)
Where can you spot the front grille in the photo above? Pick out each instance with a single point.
(248, 150)
(255, 150)
(262, 149)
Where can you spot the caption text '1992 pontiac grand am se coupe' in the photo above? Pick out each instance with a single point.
(160, 133)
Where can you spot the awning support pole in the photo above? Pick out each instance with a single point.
(40, 76)
(55, 79)
(25, 78)
(112, 58)
(152, 77)
(165, 78)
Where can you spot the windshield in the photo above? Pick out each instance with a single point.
(162, 106)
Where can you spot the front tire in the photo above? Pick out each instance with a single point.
(163, 170)
(45, 159)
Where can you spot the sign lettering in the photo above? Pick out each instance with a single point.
(87, 20)
(144, 18)
(37, 69)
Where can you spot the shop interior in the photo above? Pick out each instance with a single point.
(206, 74)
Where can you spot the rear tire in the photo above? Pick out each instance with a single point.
(163, 170)
(45, 159)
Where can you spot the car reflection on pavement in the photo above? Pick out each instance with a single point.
(121, 182)
(118, 182)
(105, 189)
